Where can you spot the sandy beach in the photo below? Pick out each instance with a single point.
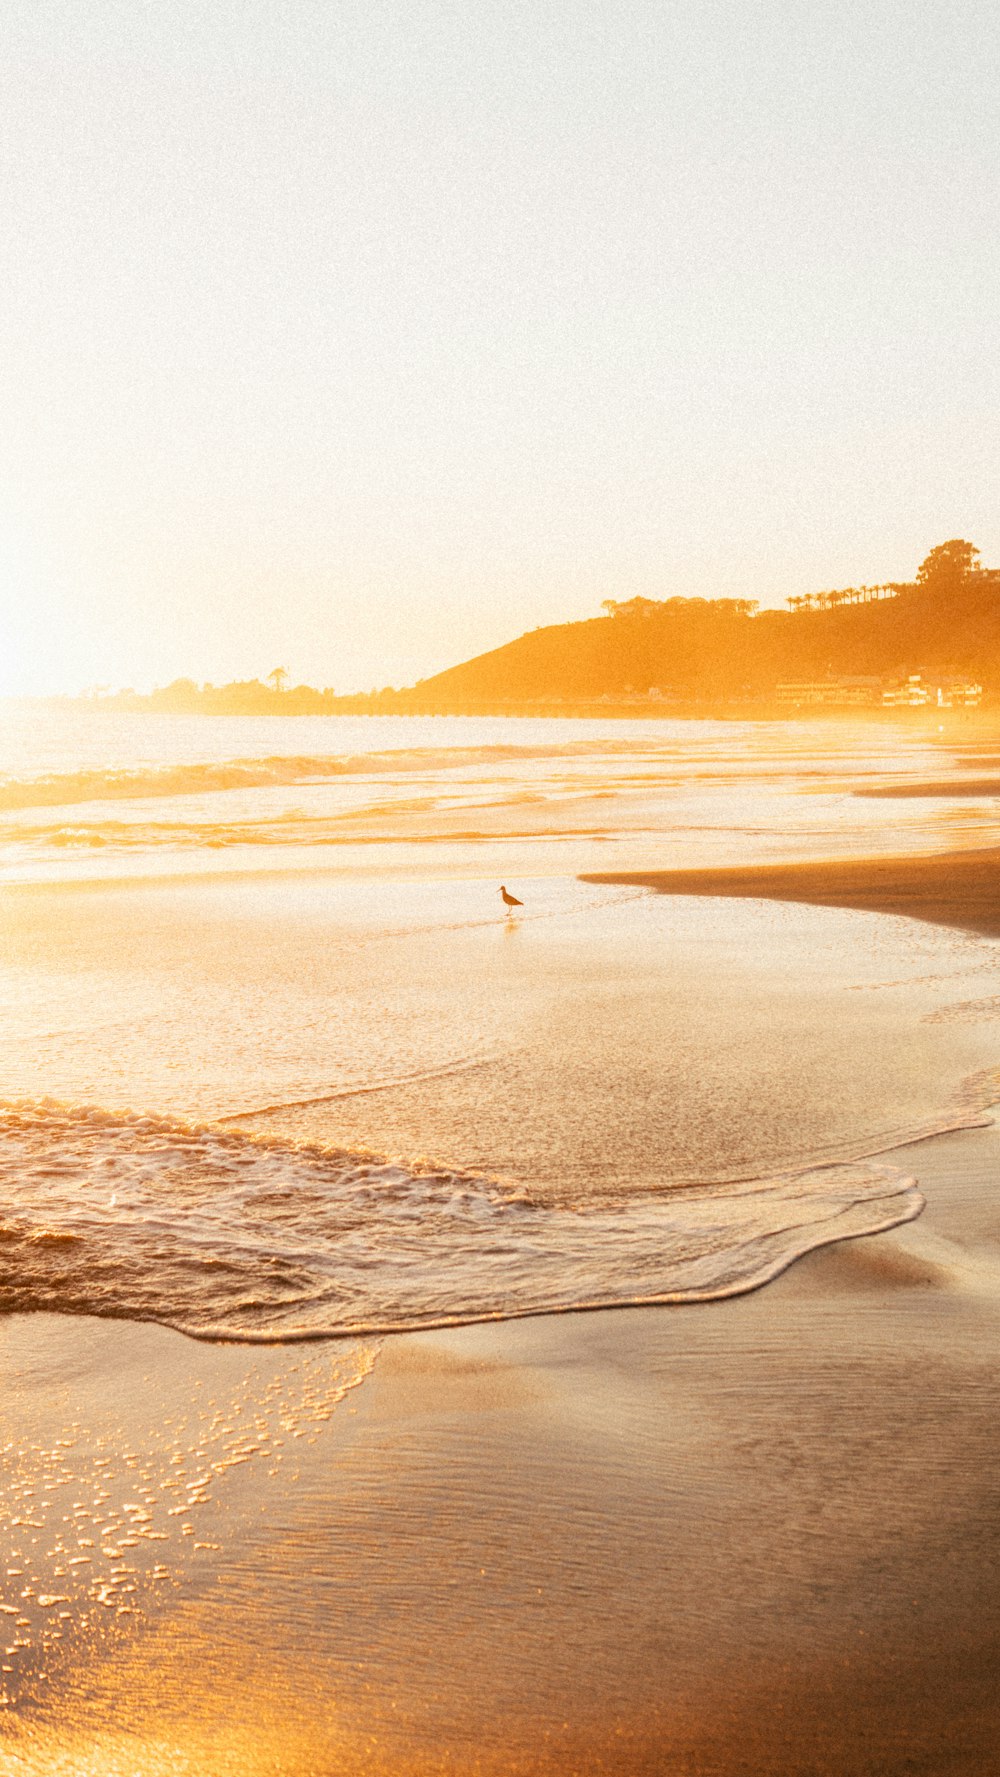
(500, 891)
(742, 1537)
(753, 1537)
(959, 889)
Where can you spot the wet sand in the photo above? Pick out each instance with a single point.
(960, 889)
(957, 787)
(753, 1537)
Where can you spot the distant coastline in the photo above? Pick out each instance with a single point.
(929, 644)
(305, 700)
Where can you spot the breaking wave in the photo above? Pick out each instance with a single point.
(227, 1235)
(118, 784)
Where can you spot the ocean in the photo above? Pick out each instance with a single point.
(276, 1062)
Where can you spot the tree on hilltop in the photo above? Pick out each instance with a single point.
(278, 678)
(948, 565)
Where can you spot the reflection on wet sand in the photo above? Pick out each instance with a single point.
(763, 1531)
(954, 888)
(749, 1536)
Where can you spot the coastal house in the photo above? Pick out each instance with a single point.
(959, 694)
(833, 693)
(913, 692)
(909, 693)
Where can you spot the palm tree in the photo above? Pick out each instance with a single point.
(278, 678)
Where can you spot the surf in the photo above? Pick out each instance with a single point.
(225, 1234)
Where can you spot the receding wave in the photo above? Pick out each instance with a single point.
(226, 1235)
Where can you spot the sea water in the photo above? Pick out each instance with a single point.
(276, 1063)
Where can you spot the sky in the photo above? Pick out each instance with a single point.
(359, 336)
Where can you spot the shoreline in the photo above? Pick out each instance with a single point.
(954, 720)
(747, 1537)
(751, 1538)
(960, 889)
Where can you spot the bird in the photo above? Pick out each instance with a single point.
(509, 900)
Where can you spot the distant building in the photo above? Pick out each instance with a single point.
(844, 693)
(910, 693)
(959, 694)
(913, 692)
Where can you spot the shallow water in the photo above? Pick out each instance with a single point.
(95, 795)
(264, 963)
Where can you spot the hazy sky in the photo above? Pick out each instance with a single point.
(357, 336)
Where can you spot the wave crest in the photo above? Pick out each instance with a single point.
(116, 784)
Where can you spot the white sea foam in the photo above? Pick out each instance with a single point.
(86, 795)
(233, 1236)
(195, 778)
(609, 1058)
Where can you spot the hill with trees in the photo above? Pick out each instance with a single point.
(688, 655)
(711, 652)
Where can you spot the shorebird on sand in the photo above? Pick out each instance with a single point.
(509, 901)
